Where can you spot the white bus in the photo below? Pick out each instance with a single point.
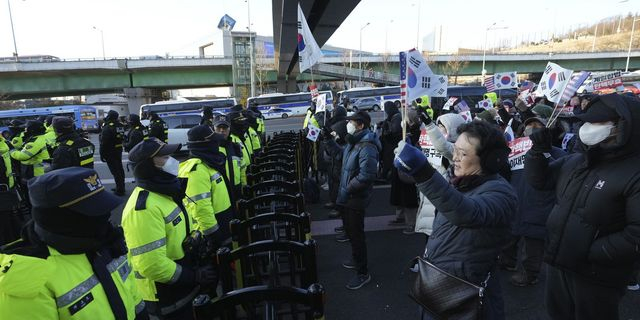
(382, 94)
(280, 105)
(175, 107)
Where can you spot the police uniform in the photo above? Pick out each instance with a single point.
(71, 263)
(50, 137)
(159, 129)
(207, 183)
(73, 150)
(33, 153)
(111, 139)
(156, 223)
(235, 164)
(136, 134)
(9, 227)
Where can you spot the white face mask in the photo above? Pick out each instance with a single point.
(592, 134)
(351, 128)
(171, 166)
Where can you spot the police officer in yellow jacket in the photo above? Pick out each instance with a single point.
(207, 185)
(71, 262)
(252, 133)
(156, 223)
(33, 152)
(237, 129)
(236, 158)
(260, 121)
(73, 150)
(111, 140)
(49, 134)
(9, 225)
(16, 130)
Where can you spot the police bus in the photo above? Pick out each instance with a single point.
(382, 94)
(277, 105)
(84, 116)
(175, 107)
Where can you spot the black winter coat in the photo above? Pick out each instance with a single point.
(534, 205)
(594, 229)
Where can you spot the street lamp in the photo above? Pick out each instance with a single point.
(484, 48)
(633, 29)
(104, 57)
(13, 33)
(251, 62)
(360, 55)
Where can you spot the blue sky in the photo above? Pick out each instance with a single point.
(132, 28)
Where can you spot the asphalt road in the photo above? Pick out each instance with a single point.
(389, 253)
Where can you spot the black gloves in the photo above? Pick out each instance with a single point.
(424, 117)
(205, 275)
(541, 139)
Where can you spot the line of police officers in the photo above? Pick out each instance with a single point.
(72, 263)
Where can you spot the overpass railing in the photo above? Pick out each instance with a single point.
(355, 74)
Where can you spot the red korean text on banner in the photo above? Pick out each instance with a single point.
(519, 148)
(434, 157)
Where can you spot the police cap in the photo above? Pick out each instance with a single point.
(76, 188)
(237, 108)
(150, 148)
(200, 133)
(221, 120)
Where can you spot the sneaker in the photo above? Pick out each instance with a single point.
(329, 205)
(349, 264)
(325, 186)
(396, 222)
(521, 279)
(358, 281)
(334, 214)
(342, 238)
(339, 229)
(409, 230)
(633, 287)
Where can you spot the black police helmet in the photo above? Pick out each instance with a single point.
(48, 119)
(236, 108)
(34, 127)
(112, 115)
(200, 133)
(133, 118)
(62, 124)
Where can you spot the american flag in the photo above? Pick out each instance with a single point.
(577, 79)
(403, 78)
(489, 84)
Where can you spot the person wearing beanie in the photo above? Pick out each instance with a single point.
(71, 262)
(158, 128)
(73, 150)
(474, 211)
(111, 140)
(137, 132)
(156, 223)
(207, 186)
(542, 111)
(33, 153)
(237, 157)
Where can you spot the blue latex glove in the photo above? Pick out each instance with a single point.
(409, 159)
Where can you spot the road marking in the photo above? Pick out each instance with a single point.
(379, 223)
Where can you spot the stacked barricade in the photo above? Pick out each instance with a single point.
(270, 271)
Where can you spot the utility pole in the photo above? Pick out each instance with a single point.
(13, 33)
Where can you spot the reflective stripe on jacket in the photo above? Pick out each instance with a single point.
(62, 287)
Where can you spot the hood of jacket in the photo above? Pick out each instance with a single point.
(628, 138)
(390, 109)
(451, 122)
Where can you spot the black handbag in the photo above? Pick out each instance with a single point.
(446, 296)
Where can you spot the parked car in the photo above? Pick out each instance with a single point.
(275, 113)
(365, 104)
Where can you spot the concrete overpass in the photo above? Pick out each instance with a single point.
(323, 16)
(38, 79)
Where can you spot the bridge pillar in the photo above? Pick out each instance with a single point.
(136, 97)
(287, 85)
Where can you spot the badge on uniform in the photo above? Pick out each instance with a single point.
(83, 302)
(176, 221)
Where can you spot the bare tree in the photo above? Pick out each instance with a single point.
(386, 59)
(455, 64)
(263, 66)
